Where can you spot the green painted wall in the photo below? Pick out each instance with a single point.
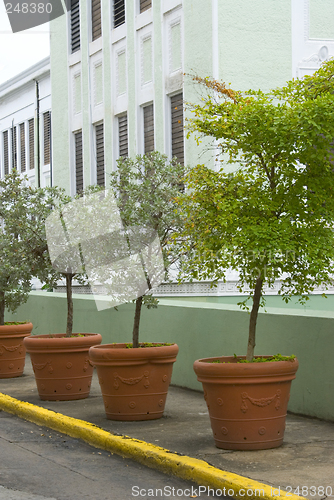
(107, 90)
(198, 60)
(208, 329)
(322, 19)
(60, 103)
(158, 80)
(255, 43)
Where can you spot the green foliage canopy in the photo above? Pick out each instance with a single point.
(268, 212)
(146, 188)
(23, 247)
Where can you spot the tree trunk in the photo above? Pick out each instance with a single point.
(135, 332)
(69, 326)
(253, 318)
(2, 308)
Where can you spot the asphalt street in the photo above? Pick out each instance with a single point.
(41, 464)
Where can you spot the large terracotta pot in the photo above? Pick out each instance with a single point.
(247, 402)
(134, 382)
(12, 350)
(61, 365)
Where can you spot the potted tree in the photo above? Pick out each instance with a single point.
(135, 377)
(268, 217)
(60, 361)
(23, 209)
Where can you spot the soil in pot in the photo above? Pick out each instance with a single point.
(134, 382)
(247, 402)
(12, 349)
(61, 365)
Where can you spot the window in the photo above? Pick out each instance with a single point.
(23, 147)
(78, 162)
(96, 19)
(14, 148)
(119, 12)
(75, 25)
(31, 144)
(177, 127)
(5, 152)
(148, 129)
(99, 135)
(47, 137)
(144, 5)
(123, 135)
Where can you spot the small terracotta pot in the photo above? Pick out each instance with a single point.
(12, 350)
(247, 402)
(61, 365)
(134, 382)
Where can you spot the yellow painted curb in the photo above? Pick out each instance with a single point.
(188, 468)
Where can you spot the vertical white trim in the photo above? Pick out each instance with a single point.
(297, 33)
(307, 53)
(215, 40)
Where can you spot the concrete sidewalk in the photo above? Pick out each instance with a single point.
(303, 466)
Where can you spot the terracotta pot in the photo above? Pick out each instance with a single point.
(12, 350)
(247, 402)
(61, 365)
(134, 382)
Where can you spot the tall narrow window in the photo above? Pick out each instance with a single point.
(119, 12)
(96, 19)
(145, 4)
(22, 147)
(78, 162)
(14, 148)
(47, 137)
(5, 152)
(148, 129)
(75, 25)
(99, 155)
(31, 144)
(177, 127)
(123, 135)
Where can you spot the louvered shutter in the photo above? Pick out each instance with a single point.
(78, 162)
(96, 19)
(177, 127)
(5, 152)
(119, 13)
(47, 137)
(14, 148)
(145, 4)
(75, 25)
(23, 147)
(148, 129)
(99, 155)
(123, 136)
(31, 144)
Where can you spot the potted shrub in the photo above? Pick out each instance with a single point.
(135, 377)
(268, 217)
(60, 361)
(22, 247)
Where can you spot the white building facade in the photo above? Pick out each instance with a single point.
(121, 77)
(25, 124)
(120, 71)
